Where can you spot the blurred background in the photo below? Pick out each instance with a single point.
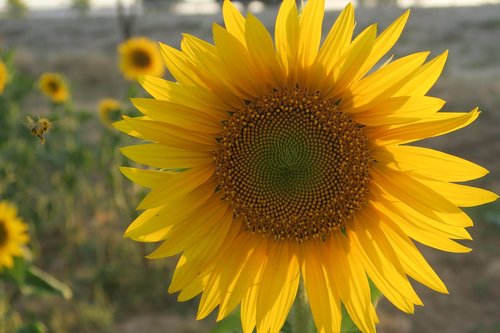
(77, 205)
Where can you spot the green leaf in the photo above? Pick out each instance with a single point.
(348, 325)
(36, 327)
(231, 324)
(39, 282)
(17, 272)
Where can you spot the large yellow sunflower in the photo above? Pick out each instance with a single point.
(288, 160)
(12, 235)
(140, 56)
(4, 76)
(54, 87)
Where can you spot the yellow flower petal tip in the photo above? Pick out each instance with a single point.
(272, 161)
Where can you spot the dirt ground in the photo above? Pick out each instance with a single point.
(84, 49)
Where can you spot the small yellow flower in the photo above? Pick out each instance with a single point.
(12, 234)
(106, 107)
(54, 87)
(4, 76)
(140, 56)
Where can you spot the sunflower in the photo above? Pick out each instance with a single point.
(12, 235)
(140, 56)
(106, 107)
(288, 160)
(4, 76)
(54, 87)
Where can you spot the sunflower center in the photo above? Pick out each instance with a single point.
(3, 233)
(141, 58)
(293, 166)
(53, 86)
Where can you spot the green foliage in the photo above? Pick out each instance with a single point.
(77, 204)
(35, 327)
(81, 6)
(16, 8)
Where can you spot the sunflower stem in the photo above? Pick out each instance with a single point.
(301, 319)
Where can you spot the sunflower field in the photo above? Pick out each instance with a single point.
(299, 166)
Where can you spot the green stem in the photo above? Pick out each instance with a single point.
(301, 320)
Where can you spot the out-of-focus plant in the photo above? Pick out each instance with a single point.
(16, 8)
(18, 275)
(62, 170)
(82, 7)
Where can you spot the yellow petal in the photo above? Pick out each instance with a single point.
(413, 262)
(285, 34)
(429, 163)
(195, 287)
(397, 110)
(278, 288)
(214, 214)
(412, 192)
(193, 97)
(384, 43)
(237, 63)
(197, 261)
(206, 58)
(461, 195)
(160, 156)
(172, 136)
(324, 300)
(177, 186)
(437, 237)
(234, 21)
(423, 79)
(243, 262)
(438, 226)
(338, 39)
(388, 278)
(357, 54)
(382, 83)
(310, 26)
(352, 283)
(262, 53)
(174, 212)
(437, 124)
(146, 178)
(143, 219)
(204, 121)
(124, 127)
(179, 66)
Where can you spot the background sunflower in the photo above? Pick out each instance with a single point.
(139, 56)
(54, 87)
(13, 235)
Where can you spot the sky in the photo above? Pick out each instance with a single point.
(95, 4)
